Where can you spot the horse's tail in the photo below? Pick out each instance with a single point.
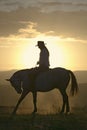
(74, 85)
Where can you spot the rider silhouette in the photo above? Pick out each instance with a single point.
(44, 56)
(43, 63)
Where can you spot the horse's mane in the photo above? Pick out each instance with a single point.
(23, 70)
(18, 73)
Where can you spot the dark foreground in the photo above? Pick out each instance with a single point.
(44, 122)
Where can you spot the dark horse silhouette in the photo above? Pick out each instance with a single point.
(54, 78)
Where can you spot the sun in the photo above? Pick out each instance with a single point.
(30, 53)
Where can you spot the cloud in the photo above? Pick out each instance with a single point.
(30, 21)
(63, 6)
(11, 5)
(45, 6)
(29, 31)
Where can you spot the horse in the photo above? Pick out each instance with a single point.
(55, 78)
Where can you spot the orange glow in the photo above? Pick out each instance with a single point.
(30, 53)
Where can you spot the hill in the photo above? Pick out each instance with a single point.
(81, 76)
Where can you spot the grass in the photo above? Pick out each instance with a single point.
(76, 121)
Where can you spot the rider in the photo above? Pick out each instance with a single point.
(43, 62)
(44, 56)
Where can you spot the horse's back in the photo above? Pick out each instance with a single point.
(52, 78)
(54, 73)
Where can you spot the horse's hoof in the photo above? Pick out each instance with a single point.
(34, 112)
(68, 113)
(61, 112)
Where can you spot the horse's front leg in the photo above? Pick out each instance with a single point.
(34, 101)
(24, 93)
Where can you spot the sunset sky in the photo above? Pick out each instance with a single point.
(61, 24)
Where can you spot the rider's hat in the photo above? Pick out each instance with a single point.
(40, 43)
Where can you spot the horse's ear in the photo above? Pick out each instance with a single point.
(7, 79)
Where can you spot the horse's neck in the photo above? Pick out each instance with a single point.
(24, 73)
(19, 75)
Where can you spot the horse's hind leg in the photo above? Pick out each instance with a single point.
(65, 102)
(63, 106)
(34, 101)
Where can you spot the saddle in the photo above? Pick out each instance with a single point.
(36, 72)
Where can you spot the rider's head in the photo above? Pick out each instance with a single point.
(40, 44)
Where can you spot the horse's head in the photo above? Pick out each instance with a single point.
(16, 83)
(20, 80)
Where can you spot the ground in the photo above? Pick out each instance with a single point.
(75, 121)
